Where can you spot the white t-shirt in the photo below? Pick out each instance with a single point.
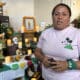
(60, 45)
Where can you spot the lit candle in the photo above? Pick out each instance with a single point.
(20, 44)
(26, 40)
(37, 28)
(35, 39)
(22, 29)
(9, 43)
(8, 59)
(29, 51)
(34, 79)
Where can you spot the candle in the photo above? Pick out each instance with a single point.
(26, 40)
(37, 29)
(35, 39)
(34, 79)
(20, 44)
(8, 59)
(22, 29)
(9, 43)
(29, 51)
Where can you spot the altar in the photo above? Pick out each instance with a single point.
(15, 70)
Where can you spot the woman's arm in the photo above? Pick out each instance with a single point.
(43, 59)
(64, 65)
(38, 53)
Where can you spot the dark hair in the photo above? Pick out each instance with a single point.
(61, 4)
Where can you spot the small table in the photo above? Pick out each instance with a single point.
(16, 70)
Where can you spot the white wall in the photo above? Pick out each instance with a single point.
(16, 9)
(43, 9)
(75, 7)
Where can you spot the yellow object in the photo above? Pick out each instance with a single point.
(20, 44)
(26, 40)
(18, 57)
(29, 51)
(8, 59)
(9, 43)
(22, 65)
(33, 79)
(37, 28)
(35, 39)
(22, 29)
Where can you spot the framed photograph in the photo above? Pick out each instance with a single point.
(29, 23)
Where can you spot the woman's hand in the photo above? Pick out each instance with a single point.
(46, 62)
(59, 66)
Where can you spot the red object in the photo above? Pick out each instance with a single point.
(29, 63)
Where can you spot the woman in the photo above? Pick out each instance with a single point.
(58, 48)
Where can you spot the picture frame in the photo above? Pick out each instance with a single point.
(29, 23)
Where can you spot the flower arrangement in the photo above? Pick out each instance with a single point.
(8, 31)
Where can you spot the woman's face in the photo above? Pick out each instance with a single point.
(61, 18)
